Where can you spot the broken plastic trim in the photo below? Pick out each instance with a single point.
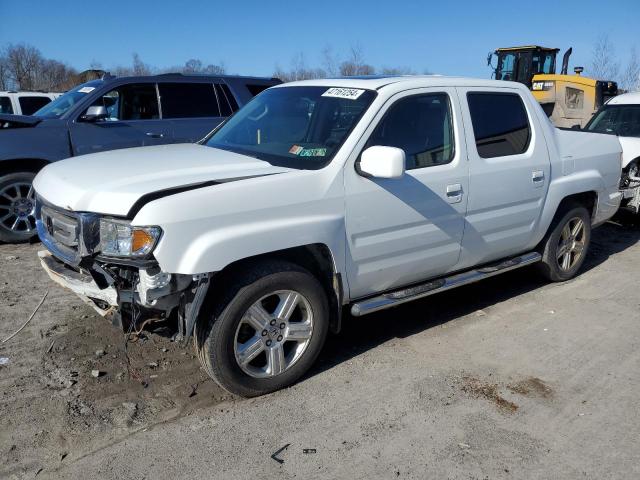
(190, 305)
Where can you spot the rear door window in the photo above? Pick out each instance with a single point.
(188, 100)
(29, 105)
(5, 105)
(500, 123)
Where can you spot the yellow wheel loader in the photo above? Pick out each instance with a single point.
(568, 100)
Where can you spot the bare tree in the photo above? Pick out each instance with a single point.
(330, 61)
(54, 75)
(355, 65)
(604, 65)
(23, 67)
(630, 79)
(5, 79)
(194, 65)
(298, 71)
(397, 71)
(139, 68)
(24, 63)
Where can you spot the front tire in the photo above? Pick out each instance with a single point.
(17, 207)
(566, 246)
(265, 331)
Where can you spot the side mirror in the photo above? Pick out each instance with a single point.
(95, 113)
(576, 127)
(383, 162)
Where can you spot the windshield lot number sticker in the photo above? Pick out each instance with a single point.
(349, 93)
(87, 89)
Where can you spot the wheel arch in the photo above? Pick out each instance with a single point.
(317, 258)
(16, 165)
(588, 199)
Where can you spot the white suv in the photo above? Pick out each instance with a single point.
(24, 103)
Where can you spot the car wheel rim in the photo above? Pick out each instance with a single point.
(273, 334)
(571, 244)
(17, 208)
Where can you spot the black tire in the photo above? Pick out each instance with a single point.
(554, 242)
(218, 326)
(13, 184)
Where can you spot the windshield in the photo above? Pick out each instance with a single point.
(63, 104)
(622, 120)
(295, 127)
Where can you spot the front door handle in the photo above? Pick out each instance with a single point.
(154, 134)
(537, 177)
(454, 193)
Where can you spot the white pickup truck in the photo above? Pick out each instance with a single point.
(317, 196)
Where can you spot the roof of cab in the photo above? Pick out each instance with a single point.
(409, 81)
(632, 98)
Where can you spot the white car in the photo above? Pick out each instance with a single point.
(320, 195)
(621, 116)
(24, 103)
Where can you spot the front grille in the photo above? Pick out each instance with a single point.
(62, 227)
(69, 236)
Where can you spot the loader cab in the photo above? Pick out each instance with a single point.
(520, 64)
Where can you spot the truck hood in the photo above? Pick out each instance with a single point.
(630, 149)
(114, 182)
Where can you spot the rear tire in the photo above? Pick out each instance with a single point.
(265, 330)
(17, 207)
(565, 246)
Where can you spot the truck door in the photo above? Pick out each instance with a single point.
(134, 121)
(403, 230)
(508, 173)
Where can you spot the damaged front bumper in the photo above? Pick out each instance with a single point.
(103, 300)
(129, 296)
(129, 291)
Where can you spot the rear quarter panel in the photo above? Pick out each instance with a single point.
(583, 162)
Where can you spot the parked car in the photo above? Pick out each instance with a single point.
(318, 195)
(24, 103)
(109, 114)
(621, 116)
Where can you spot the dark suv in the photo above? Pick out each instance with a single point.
(108, 114)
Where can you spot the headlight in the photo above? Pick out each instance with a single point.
(119, 239)
(541, 86)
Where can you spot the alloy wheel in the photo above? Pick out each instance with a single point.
(571, 244)
(17, 208)
(273, 334)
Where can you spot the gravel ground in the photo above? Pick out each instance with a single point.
(509, 378)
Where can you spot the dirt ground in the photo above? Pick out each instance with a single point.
(507, 378)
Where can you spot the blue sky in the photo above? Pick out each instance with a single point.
(251, 37)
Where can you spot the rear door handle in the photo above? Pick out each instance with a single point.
(454, 193)
(154, 135)
(537, 177)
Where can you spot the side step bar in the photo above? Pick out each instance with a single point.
(391, 299)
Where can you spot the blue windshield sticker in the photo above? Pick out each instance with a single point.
(313, 152)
